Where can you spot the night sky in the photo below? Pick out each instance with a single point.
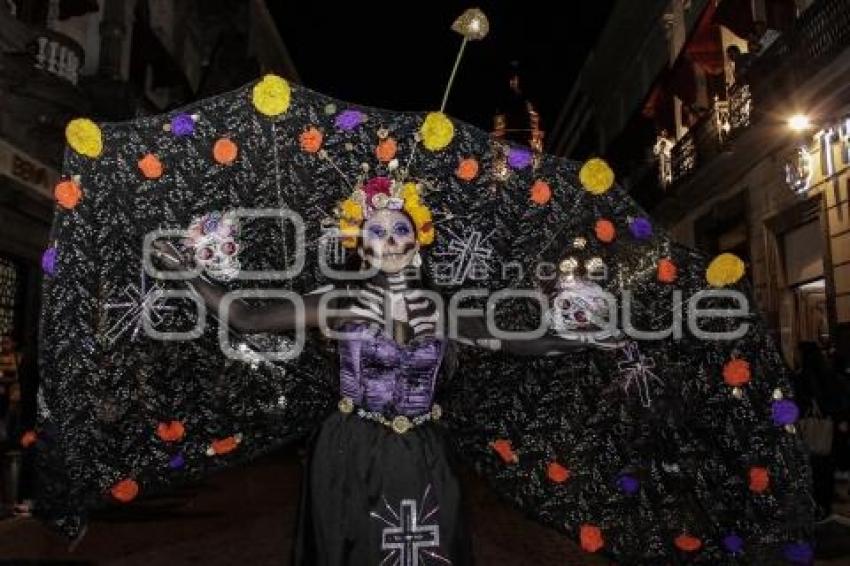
(399, 55)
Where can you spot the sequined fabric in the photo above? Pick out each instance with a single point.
(379, 374)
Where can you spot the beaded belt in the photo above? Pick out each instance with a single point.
(399, 423)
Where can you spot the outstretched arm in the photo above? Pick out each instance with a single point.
(473, 330)
(277, 315)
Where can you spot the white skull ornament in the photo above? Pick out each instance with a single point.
(212, 239)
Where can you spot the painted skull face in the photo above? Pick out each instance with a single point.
(389, 241)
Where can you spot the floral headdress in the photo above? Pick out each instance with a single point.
(384, 193)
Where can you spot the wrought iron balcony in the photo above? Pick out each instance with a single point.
(821, 33)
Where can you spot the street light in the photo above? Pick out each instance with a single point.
(799, 122)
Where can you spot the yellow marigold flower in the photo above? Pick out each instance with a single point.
(418, 213)
(84, 137)
(271, 95)
(410, 194)
(349, 227)
(425, 236)
(351, 210)
(725, 269)
(596, 176)
(437, 131)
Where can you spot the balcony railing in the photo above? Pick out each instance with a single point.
(58, 55)
(821, 33)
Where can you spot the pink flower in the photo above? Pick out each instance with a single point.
(376, 185)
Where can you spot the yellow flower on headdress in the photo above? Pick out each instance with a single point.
(84, 137)
(271, 95)
(410, 194)
(349, 230)
(437, 131)
(351, 210)
(725, 269)
(421, 216)
(425, 236)
(596, 176)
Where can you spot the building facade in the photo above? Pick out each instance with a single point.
(111, 60)
(709, 148)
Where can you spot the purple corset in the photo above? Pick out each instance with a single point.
(379, 374)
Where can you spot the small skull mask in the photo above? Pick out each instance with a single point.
(389, 240)
(579, 305)
(212, 239)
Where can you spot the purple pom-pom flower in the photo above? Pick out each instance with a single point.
(641, 228)
(785, 412)
(349, 120)
(519, 158)
(48, 261)
(182, 125)
(799, 553)
(178, 461)
(628, 484)
(733, 543)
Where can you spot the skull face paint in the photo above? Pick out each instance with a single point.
(389, 241)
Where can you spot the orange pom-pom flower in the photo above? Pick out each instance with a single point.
(125, 490)
(759, 479)
(736, 372)
(172, 431)
(225, 151)
(688, 543)
(68, 193)
(605, 231)
(151, 166)
(591, 538)
(504, 449)
(467, 169)
(311, 140)
(557, 473)
(386, 150)
(224, 445)
(541, 193)
(667, 270)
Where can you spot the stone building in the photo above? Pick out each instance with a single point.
(699, 127)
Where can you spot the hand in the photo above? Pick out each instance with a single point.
(608, 342)
(168, 256)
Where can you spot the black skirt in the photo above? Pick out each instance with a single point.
(372, 496)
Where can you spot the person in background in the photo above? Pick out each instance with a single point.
(28, 380)
(841, 443)
(740, 62)
(816, 383)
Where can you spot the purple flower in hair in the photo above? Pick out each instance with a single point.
(519, 158)
(799, 553)
(48, 261)
(785, 412)
(349, 120)
(182, 125)
(733, 543)
(641, 228)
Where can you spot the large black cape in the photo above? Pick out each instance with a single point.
(666, 461)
